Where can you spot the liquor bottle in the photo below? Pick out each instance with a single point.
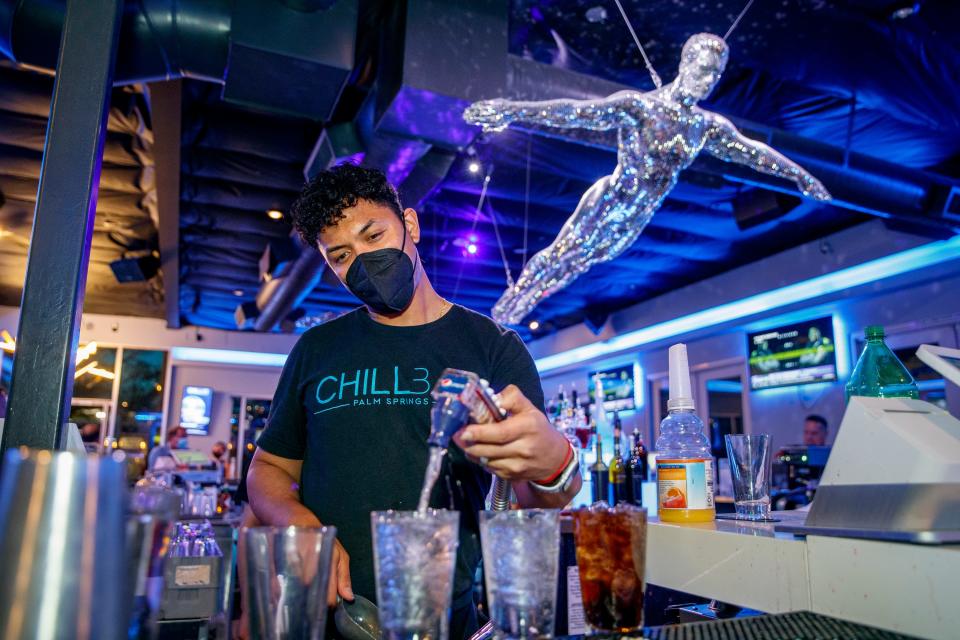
(618, 469)
(636, 469)
(570, 416)
(684, 460)
(561, 407)
(879, 373)
(599, 480)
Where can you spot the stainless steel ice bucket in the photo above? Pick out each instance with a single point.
(62, 546)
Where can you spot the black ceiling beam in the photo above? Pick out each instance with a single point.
(166, 99)
(243, 168)
(220, 218)
(53, 292)
(228, 194)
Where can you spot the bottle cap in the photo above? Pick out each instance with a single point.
(874, 331)
(681, 396)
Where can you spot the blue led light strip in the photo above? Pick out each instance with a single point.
(227, 356)
(895, 264)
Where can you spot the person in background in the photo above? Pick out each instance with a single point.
(161, 457)
(3, 402)
(815, 431)
(219, 455)
(89, 432)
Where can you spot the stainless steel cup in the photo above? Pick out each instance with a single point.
(62, 574)
(286, 587)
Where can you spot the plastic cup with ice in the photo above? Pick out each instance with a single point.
(414, 556)
(520, 561)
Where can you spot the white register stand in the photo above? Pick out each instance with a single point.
(910, 589)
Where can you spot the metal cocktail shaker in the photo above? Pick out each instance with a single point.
(62, 573)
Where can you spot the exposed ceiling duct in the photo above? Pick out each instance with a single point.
(283, 56)
(292, 56)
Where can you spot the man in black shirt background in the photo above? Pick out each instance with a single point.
(347, 432)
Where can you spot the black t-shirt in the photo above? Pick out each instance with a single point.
(354, 402)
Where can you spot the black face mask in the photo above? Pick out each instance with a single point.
(383, 279)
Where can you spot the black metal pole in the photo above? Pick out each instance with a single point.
(43, 366)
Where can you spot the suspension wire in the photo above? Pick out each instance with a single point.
(646, 61)
(526, 200)
(473, 227)
(739, 18)
(850, 128)
(503, 254)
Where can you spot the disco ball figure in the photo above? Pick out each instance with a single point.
(659, 134)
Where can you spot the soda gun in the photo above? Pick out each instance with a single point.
(461, 397)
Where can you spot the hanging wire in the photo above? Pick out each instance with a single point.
(739, 18)
(526, 200)
(646, 61)
(473, 227)
(503, 254)
(850, 128)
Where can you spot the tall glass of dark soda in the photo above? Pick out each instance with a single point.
(611, 547)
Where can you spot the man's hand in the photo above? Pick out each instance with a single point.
(489, 114)
(813, 188)
(525, 446)
(339, 576)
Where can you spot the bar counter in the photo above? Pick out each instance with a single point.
(906, 588)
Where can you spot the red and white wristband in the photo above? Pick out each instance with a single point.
(562, 477)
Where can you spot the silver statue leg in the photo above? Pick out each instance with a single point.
(560, 263)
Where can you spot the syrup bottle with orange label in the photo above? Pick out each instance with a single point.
(684, 462)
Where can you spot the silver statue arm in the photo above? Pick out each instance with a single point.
(616, 110)
(725, 142)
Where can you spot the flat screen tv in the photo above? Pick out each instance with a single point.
(801, 353)
(195, 406)
(618, 388)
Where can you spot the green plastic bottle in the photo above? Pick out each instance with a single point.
(879, 373)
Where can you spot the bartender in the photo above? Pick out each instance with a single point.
(347, 431)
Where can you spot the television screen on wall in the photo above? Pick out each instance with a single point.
(195, 406)
(800, 353)
(618, 388)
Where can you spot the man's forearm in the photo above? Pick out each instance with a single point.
(274, 497)
(598, 114)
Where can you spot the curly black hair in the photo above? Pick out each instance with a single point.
(323, 199)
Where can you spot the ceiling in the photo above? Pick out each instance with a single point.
(126, 208)
(799, 66)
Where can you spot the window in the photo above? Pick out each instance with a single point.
(95, 374)
(140, 397)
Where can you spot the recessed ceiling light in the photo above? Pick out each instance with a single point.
(238, 292)
(596, 14)
(275, 214)
(534, 325)
(474, 167)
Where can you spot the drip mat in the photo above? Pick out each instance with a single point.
(800, 625)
